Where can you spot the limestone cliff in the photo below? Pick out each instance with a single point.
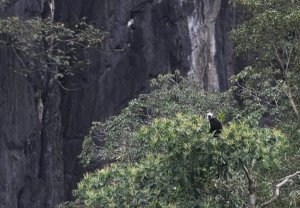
(41, 133)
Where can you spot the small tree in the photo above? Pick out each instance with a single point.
(46, 49)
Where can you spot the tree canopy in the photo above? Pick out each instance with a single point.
(269, 40)
(180, 164)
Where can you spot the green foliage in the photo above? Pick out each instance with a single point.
(41, 45)
(269, 86)
(262, 94)
(182, 165)
(148, 129)
(270, 41)
(171, 94)
(271, 37)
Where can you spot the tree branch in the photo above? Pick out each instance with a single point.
(292, 101)
(285, 71)
(247, 173)
(278, 56)
(19, 58)
(251, 188)
(67, 89)
(278, 186)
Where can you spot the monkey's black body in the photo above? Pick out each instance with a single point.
(215, 126)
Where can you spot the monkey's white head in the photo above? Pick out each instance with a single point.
(209, 115)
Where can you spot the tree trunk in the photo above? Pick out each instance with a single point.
(292, 102)
(251, 188)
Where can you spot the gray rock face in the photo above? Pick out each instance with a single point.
(30, 150)
(20, 137)
(41, 134)
(31, 144)
(211, 57)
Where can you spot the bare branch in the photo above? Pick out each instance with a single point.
(288, 54)
(292, 101)
(251, 188)
(67, 89)
(19, 58)
(278, 56)
(247, 173)
(278, 186)
(84, 46)
(285, 70)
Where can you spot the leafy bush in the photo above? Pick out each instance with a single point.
(181, 165)
(171, 94)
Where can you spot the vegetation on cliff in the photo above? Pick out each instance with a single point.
(47, 51)
(159, 151)
(162, 153)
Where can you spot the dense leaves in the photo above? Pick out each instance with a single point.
(270, 40)
(171, 94)
(180, 165)
(269, 85)
(147, 129)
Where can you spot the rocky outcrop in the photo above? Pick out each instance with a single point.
(31, 149)
(211, 58)
(42, 129)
